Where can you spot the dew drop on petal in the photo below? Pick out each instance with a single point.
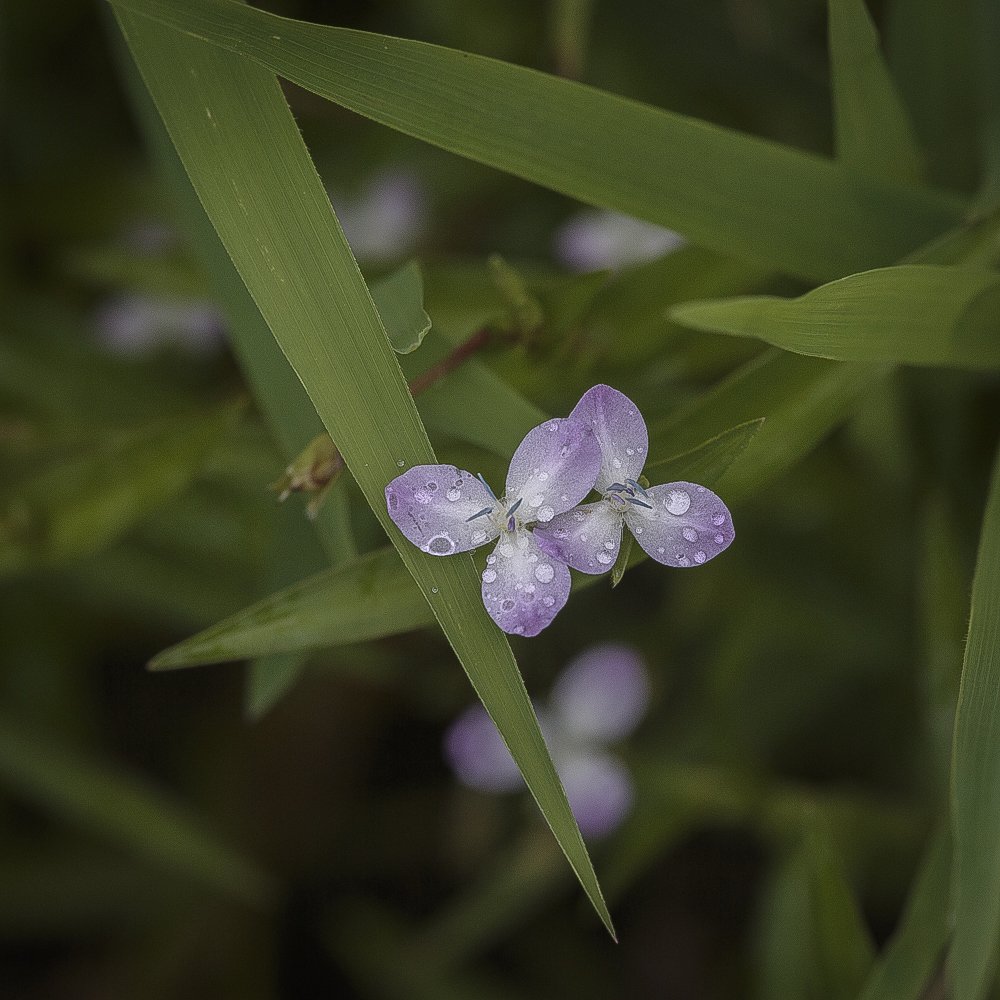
(440, 545)
(507, 605)
(522, 542)
(542, 476)
(677, 502)
(491, 559)
(700, 557)
(506, 550)
(719, 539)
(683, 561)
(517, 629)
(579, 516)
(617, 463)
(478, 536)
(489, 576)
(661, 550)
(610, 546)
(718, 519)
(537, 500)
(548, 601)
(559, 533)
(422, 496)
(453, 494)
(638, 529)
(546, 513)
(393, 500)
(544, 573)
(603, 558)
(690, 534)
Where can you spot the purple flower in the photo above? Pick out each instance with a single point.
(444, 510)
(678, 524)
(598, 699)
(595, 239)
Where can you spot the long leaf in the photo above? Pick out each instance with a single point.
(873, 133)
(734, 193)
(244, 154)
(976, 775)
(118, 807)
(912, 314)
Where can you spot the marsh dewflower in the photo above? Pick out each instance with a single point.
(678, 524)
(597, 700)
(444, 510)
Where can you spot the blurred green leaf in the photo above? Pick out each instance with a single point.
(976, 775)
(245, 156)
(114, 805)
(368, 598)
(912, 314)
(913, 954)
(399, 299)
(81, 502)
(708, 462)
(873, 133)
(721, 189)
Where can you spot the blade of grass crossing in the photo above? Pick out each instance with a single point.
(245, 156)
(975, 775)
(723, 190)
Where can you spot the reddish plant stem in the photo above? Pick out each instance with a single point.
(451, 361)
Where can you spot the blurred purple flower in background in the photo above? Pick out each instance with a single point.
(677, 524)
(444, 510)
(139, 324)
(598, 699)
(597, 239)
(386, 220)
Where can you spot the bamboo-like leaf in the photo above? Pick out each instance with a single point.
(399, 298)
(118, 807)
(245, 157)
(367, 598)
(912, 955)
(721, 189)
(80, 503)
(976, 775)
(873, 133)
(912, 315)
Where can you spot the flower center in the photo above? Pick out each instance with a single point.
(629, 492)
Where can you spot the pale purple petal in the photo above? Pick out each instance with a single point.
(602, 694)
(431, 505)
(687, 526)
(553, 469)
(599, 789)
(523, 588)
(620, 431)
(586, 538)
(478, 755)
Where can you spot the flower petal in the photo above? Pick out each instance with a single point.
(602, 694)
(523, 589)
(599, 789)
(687, 525)
(431, 505)
(620, 431)
(553, 469)
(478, 755)
(586, 538)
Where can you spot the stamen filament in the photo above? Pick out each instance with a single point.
(479, 476)
(639, 503)
(485, 510)
(511, 510)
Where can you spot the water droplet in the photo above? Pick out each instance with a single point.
(579, 516)
(630, 451)
(617, 463)
(610, 546)
(637, 530)
(522, 542)
(544, 573)
(548, 601)
(553, 426)
(542, 476)
(434, 590)
(393, 500)
(537, 500)
(604, 559)
(678, 502)
(517, 629)
(491, 559)
(661, 550)
(421, 496)
(564, 498)
(432, 486)
(690, 534)
(561, 533)
(719, 539)
(401, 463)
(700, 489)
(440, 545)
(718, 519)
(507, 605)
(453, 494)
(700, 557)
(683, 561)
(546, 513)
(532, 558)
(489, 576)
(478, 537)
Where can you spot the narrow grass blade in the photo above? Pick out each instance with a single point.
(873, 132)
(912, 315)
(399, 298)
(913, 954)
(976, 775)
(721, 189)
(243, 152)
(117, 807)
(368, 598)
